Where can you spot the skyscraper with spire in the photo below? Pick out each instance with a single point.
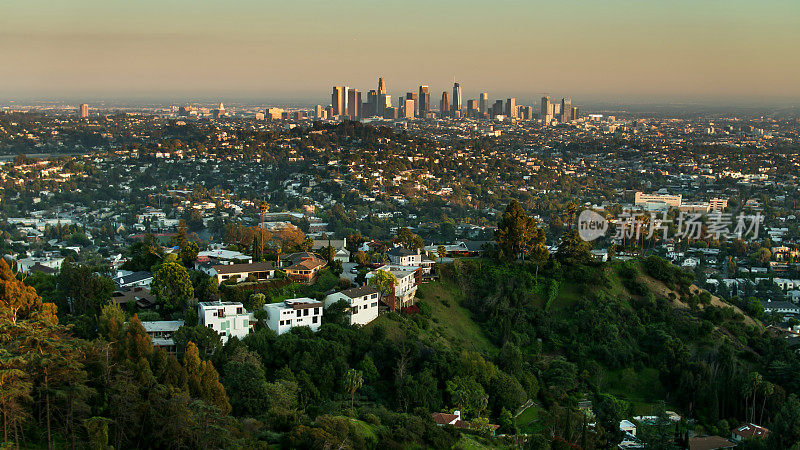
(457, 97)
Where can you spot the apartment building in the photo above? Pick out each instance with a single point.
(296, 312)
(363, 302)
(226, 318)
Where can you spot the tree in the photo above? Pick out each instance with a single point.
(384, 282)
(515, 231)
(204, 339)
(409, 240)
(785, 430)
(572, 249)
(353, 380)
(441, 251)
(171, 285)
(467, 395)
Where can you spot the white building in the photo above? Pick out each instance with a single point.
(226, 318)
(363, 303)
(406, 287)
(404, 257)
(296, 312)
(240, 272)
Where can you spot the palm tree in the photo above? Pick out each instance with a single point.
(262, 208)
(353, 380)
(441, 251)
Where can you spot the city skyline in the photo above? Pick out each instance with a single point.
(710, 52)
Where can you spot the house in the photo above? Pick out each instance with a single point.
(222, 255)
(240, 272)
(25, 265)
(363, 303)
(710, 443)
(443, 419)
(226, 318)
(627, 426)
(340, 245)
(296, 312)
(137, 294)
(133, 279)
(748, 431)
(404, 257)
(306, 270)
(161, 331)
(295, 258)
(406, 288)
(781, 307)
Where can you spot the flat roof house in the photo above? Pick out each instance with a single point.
(240, 272)
(363, 302)
(161, 331)
(226, 318)
(296, 312)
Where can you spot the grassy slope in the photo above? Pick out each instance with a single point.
(451, 325)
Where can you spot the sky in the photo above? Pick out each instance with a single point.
(264, 51)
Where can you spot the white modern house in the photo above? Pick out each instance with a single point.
(363, 302)
(404, 257)
(226, 318)
(296, 312)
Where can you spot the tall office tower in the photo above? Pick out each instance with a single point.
(384, 101)
(408, 110)
(353, 103)
(424, 100)
(472, 108)
(566, 109)
(84, 111)
(413, 96)
(372, 100)
(401, 106)
(575, 113)
(511, 107)
(381, 86)
(457, 105)
(556, 109)
(444, 105)
(545, 107)
(318, 112)
(329, 112)
(497, 109)
(484, 102)
(339, 100)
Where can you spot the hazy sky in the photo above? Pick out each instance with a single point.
(613, 50)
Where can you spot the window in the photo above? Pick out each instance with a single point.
(314, 320)
(375, 305)
(211, 325)
(355, 309)
(316, 311)
(305, 312)
(239, 310)
(299, 312)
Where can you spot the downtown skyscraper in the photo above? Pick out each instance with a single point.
(339, 100)
(424, 101)
(457, 105)
(444, 105)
